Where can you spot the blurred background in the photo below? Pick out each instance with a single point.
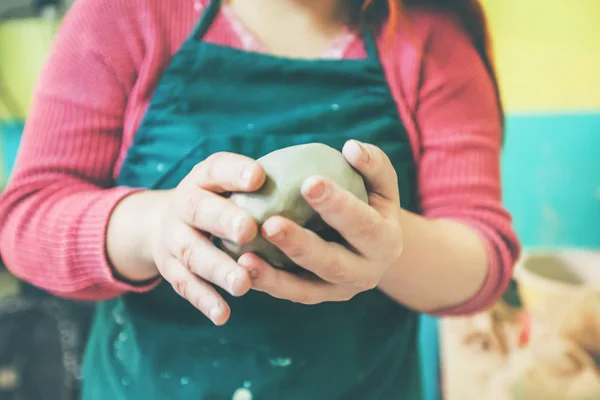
(541, 342)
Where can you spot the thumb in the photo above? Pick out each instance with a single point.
(375, 167)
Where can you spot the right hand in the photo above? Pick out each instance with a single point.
(177, 241)
(182, 249)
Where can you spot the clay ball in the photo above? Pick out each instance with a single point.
(286, 170)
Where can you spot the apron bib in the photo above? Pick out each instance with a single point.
(155, 345)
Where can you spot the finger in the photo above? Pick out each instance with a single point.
(228, 172)
(287, 286)
(199, 293)
(201, 257)
(361, 225)
(331, 262)
(212, 213)
(376, 168)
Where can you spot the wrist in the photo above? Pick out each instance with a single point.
(131, 229)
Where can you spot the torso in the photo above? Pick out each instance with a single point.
(213, 97)
(170, 29)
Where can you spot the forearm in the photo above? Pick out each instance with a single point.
(52, 235)
(129, 234)
(443, 264)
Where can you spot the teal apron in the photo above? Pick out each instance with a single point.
(215, 98)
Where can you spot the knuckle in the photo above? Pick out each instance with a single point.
(210, 272)
(295, 251)
(181, 287)
(204, 172)
(337, 201)
(192, 205)
(203, 302)
(369, 229)
(205, 266)
(225, 221)
(336, 270)
(187, 255)
(214, 164)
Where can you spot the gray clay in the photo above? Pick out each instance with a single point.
(286, 170)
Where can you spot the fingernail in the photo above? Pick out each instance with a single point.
(364, 155)
(247, 176)
(238, 224)
(246, 262)
(215, 313)
(315, 188)
(273, 233)
(233, 278)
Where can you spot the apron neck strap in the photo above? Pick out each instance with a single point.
(208, 16)
(371, 46)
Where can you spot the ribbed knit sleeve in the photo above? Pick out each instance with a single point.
(460, 139)
(55, 210)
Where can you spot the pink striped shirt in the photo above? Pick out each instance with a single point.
(96, 87)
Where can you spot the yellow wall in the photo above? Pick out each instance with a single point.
(547, 53)
(23, 48)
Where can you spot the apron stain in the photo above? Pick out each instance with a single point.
(166, 375)
(280, 362)
(242, 394)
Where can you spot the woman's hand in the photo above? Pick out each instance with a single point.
(182, 249)
(179, 244)
(373, 232)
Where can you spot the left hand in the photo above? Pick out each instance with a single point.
(373, 232)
